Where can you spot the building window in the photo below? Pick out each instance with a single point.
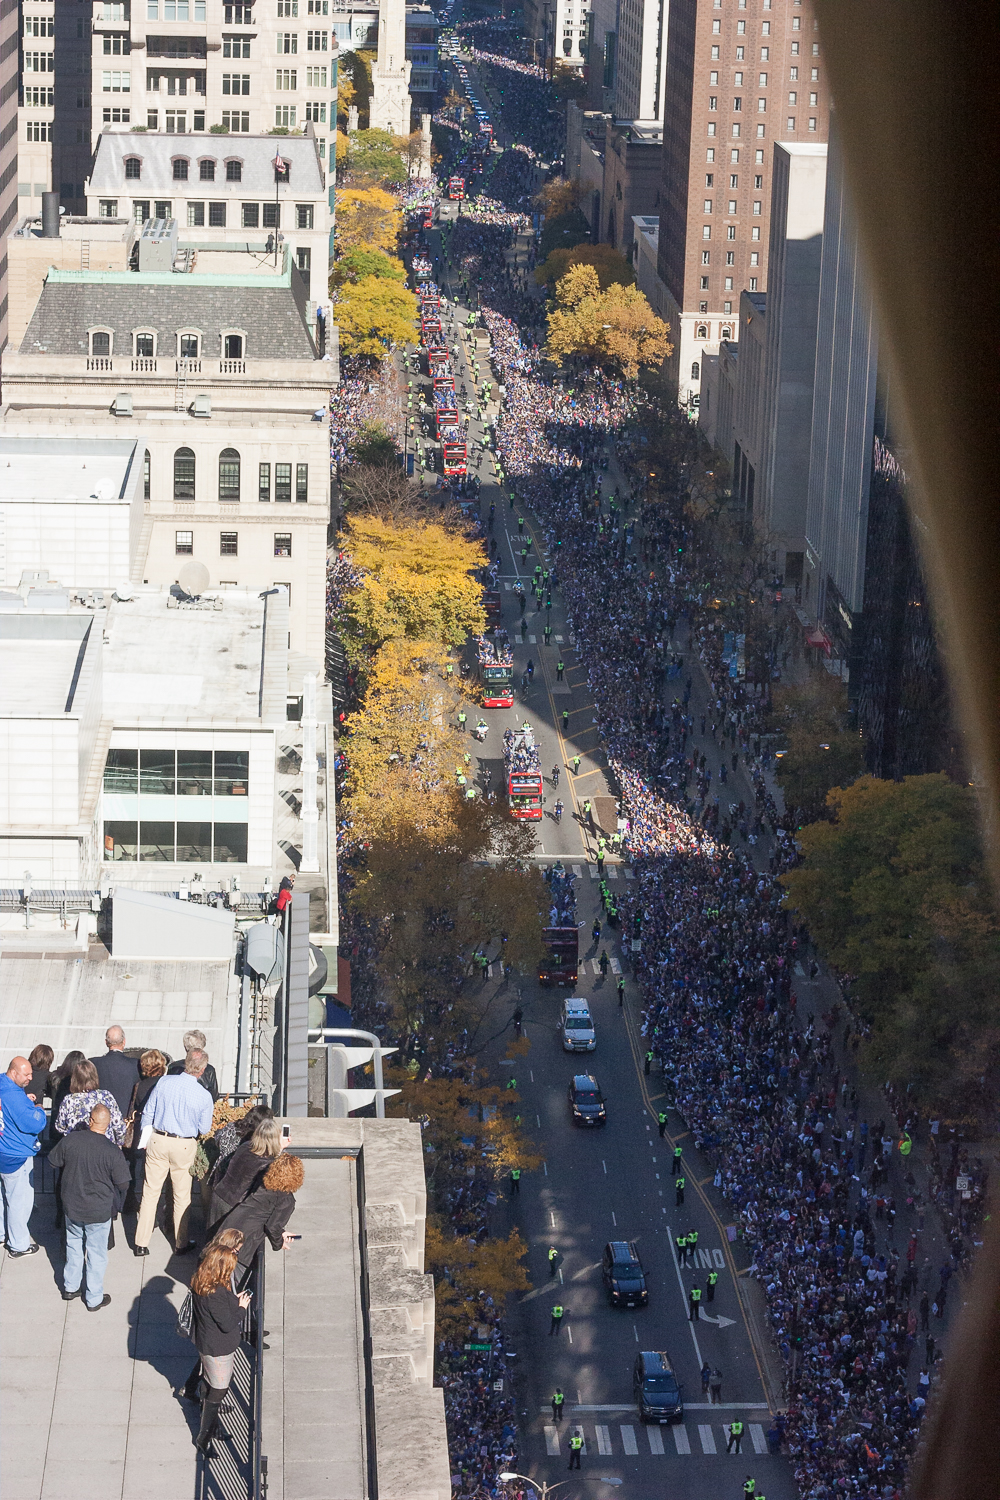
(206, 171)
(758, 156)
(145, 475)
(790, 123)
(754, 257)
(762, 80)
(180, 169)
(133, 168)
(706, 232)
(236, 83)
(702, 332)
(713, 102)
(734, 180)
(264, 482)
(696, 371)
(758, 183)
(706, 257)
(732, 205)
(229, 476)
(711, 127)
(184, 474)
(236, 121)
(217, 215)
(795, 49)
(793, 74)
(755, 232)
(713, 79)
(301, 483)
(113, 83)
(303, 259)
(716, 27)
(812, 122)
(757, 207)
(730, 257)
(761, 106)
(708, 205)
(703, 307)
(164, 208)
(100, 345)
(793, 97)
(108, 208)
(704, 284)
(729, 283)
(236, 46)
(726, 333)
(753, 283)
(184, 542)
(288, 42)
(187, 345)
(315, 111)
(710, 154)
(233, 346)
(736, 131)
(144, 345)
(734, 154)
(282, 544)
(737, 106)
(303, 216)
(283, 482)
(234, 171)
(730, 231)
(251, 215)
(715, 54)
(284, 116)
(316, 79)
(316, 41)
(272, 213)
(196, 215)
(121, 841)
(175, 121)
(228, 543)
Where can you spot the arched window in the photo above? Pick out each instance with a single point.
(133, 167)
(100, 345)
(702, 331)
(567, 45)
(144, 345)
(184, 474)
(180, 169)
(696, 371)
(727, 333)
(229, 474)
(233, 346)
(145, 475)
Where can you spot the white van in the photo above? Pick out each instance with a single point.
(577, 1026)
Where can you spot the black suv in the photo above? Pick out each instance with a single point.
(621, 1272)
(655, 1388)
(586, 1102)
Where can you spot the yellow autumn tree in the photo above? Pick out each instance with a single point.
(417, 582)
(616, 326)
(558, 197)
(373, 314)
(465, 1275)
(368, 218)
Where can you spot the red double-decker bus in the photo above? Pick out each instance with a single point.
(524, 774)
(430, 329)
(454, 458)
(562, 956)
(456, 187)
(496, 673)
(444, 382)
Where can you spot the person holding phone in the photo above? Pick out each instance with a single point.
(268, 1208)
(218, 1321)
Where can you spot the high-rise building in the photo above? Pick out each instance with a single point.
(640, 59)
(559, 31)
(390, 104)
(741, 76)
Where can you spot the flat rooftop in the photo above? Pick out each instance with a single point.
(39, 673)
(53, 469)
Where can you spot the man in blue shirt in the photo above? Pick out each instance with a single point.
(22, 1122)
(179, 1110)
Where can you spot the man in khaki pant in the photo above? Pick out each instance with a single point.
(179, 1110)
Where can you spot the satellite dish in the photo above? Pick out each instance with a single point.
(193, 578)
(105, 489)
(123, 593)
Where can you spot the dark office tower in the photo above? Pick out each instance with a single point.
(741, 74)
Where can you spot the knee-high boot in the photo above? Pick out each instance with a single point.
(209, 1419)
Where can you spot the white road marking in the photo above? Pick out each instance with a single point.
(551, 1440)
(655, 1439)
(707, 1438)
(681, 1442)
(616, 967)
(603, 1440)
(628, 1440)
(757, 1438)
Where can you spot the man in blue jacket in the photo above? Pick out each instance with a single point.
(22, 1123)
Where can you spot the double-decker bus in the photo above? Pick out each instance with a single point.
(496, 674)
(456, 187)
(524, 774)
(454, 459)
(562, 956)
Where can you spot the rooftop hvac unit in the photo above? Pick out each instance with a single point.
(121, 406)
(158, 245)
(203, 406)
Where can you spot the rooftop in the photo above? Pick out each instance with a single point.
(255, 153)
(52, 469)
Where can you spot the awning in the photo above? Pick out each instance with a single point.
(816, 636)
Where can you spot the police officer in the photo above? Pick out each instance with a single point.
(735, 1437)
(565, 729)
(557, 1317)
(713, 1277)
(604, 963)
(662, 1124)
(560, 669)
(679, 1186)
(462, 716)
(575, 1445)
(750, 1488)
(621, 993)
(588, 812)
(648, 1062)
(515, 1180)
(557, 1404)
(553, 1257)
(692, 1243)
(576, 758)
(676, 1164)
(680, 1241)
(694, 1300)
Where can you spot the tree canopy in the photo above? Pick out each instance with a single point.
(616, 326)
(374, 158)
(894, 893)
(418, 583)
(610, 265)
(359, 263)
(557, 197)
(567, 83)
(563, 231)
(374, 313)
(822, 749)
(368, 218)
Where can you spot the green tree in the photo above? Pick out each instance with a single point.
(563, 231)
(358, 264)
(374, 159)
(373, 314)
(616, 326)
(894, 893)
(567, 83)
(822, 750)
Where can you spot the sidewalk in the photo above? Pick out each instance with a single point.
(87, 1397)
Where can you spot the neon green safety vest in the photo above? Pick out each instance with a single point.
(696, 1294)
(576, 1443)
(558, 1399)
(557, 1311)
(736, 1428)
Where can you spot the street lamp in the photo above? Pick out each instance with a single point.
(545, 1489)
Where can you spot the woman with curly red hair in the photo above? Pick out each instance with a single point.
(267, 1210)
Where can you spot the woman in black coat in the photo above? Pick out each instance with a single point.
(268, 1208)
(218, 1322)
(242, 1171)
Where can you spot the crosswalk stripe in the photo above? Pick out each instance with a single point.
(533, 640)
(758, 1438)
(595, 966)
(628, 874)
(655, 1439)
(593, 872)
(707, 1438)
(616, 967)
(508, 587)
(611, 872)
(603, 1440)
(489, 971)
(551, 1440)
(628, 1440)
(681, 1440)
(558, 640)
(578, 871)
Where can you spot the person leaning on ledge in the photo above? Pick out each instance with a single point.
(179, 1111)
